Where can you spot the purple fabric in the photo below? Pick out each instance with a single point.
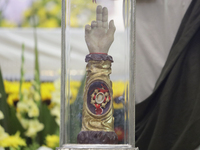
(98, 57)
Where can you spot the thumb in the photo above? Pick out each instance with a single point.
(112, 28)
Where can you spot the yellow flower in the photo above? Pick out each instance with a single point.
(74, 86)
(24, 122)
(25, 94)
(58, 121)
(49, 86)
(33, 110)
(52, 141)
(57, 84)
(42, 13)
(55, 11)
(51, 105)
(50, 23)
(117, 106)
(50, 5)
(73, 95)
(3, 134)
(26, 86)
(31, 90)
(35, 84)
(12, 98)
(34, 127)
(22, 107)
(37, 96)
(13, 141)
(7, 23)
(56, 97)
(1, 115)
(118, 88)
(55, 111)
(27, 13)
(11, 87)
(56, 93)
(6, 85)
(45, 94)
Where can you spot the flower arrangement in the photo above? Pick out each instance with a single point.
(48, 14)
(30, 111)
(10, 141)
(27, 111)
(26, 121)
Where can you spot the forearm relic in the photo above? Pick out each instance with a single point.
(97, 117)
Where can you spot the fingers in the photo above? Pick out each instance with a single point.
(105, 18)
(94, 24)
(112, 28)
(102, 20)
(87, 29)
(102, 17)
(99, 16)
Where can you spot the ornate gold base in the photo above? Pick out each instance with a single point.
(96, 147)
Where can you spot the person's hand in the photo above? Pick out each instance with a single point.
(99, 36)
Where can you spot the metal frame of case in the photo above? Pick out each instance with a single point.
(130, 143)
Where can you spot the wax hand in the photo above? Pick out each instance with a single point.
(99, 36)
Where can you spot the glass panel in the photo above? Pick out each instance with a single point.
(78, 14)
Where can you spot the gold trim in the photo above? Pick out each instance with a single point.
(111, 101)
(98, 71)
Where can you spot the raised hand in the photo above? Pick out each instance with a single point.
(99, 36)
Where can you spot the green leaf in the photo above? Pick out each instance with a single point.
(76, 113)
(3, 105)
(37, 70)
(10, 122)
(33, 146)
(22, 74)
(14, 124)
(50, 126)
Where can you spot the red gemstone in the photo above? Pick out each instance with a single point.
(105, 99)
(98, 110)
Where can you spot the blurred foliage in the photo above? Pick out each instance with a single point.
(50, 110)
(47, 14)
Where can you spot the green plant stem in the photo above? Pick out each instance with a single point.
(22, 74)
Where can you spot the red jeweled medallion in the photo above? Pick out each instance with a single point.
(98, 98)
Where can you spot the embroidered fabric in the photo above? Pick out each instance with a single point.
(98, 57)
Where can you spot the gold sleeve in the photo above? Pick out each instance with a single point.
(98, 97)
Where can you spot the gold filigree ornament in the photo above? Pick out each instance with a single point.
(99, 98)
(98, 101)
(93, 118)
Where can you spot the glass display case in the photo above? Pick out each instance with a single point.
(97, 75)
